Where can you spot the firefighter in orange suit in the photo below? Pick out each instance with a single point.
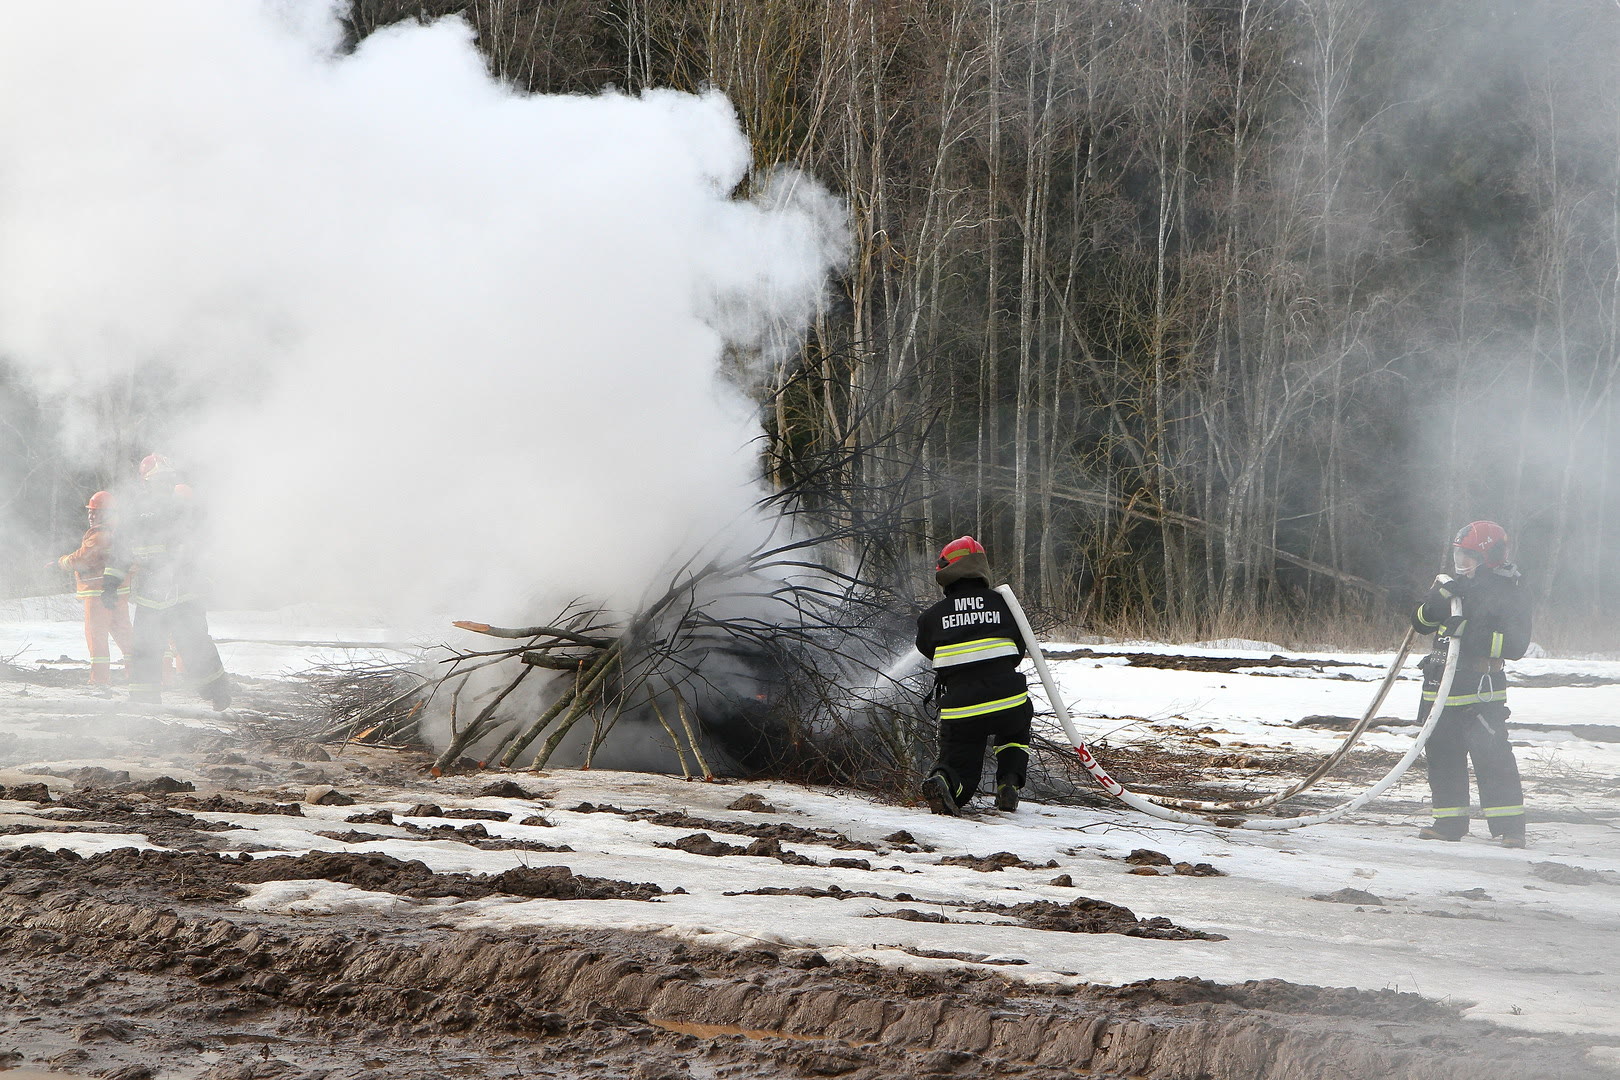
(106, 611)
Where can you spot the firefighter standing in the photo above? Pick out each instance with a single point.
(1494, 625)
(975, 647)
(168, 589)
(106, 611)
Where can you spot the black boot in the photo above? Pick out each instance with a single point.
(218, 693)
(937, 790)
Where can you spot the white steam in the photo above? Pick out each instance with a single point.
(437, 344)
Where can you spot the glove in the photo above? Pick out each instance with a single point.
(109, 596)
(1449, 587)
(1453, 627)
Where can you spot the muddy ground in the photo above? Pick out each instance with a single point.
(140, 964)
(134, 964)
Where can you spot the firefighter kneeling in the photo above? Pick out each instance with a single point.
(975, 646)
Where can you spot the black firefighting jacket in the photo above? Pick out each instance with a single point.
(975, 646)
(1494, 626)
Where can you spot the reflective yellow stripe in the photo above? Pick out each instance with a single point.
(95, 594)
(1425, 622)
(1496, 644)
(1502, 811)
(1010, 746)
(976, 645)
(155, 604)
(964, 711)
(967, 652)
(1469, 699)
(1449, 811)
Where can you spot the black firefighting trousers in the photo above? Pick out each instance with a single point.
(1477, 732)
(185, 624)
(961, 749)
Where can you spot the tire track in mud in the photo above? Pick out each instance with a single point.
(589, 991)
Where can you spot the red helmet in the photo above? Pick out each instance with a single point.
(962, 545)
(1485, 540)
(152, 464)
(101, 500)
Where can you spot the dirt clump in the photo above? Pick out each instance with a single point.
(207, 876)
(477, 815)
(1564, 874)
(560, 883)
(831, 892)
(910, 915)
(1001, 860)
(704, 844)
(1201, 869)
(507, 789)
(778, 830)
(1082, 915)
(352, 836)
(1351, 896)
(223, 804)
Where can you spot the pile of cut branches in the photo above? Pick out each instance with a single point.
(742, 656)
(377, 702)
(770, 658)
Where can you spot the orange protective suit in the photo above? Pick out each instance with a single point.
(89, 564)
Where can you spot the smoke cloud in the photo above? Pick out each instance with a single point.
(420, 342)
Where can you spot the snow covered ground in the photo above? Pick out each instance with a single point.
(1531, 937)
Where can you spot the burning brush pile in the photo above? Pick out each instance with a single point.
(787, 660)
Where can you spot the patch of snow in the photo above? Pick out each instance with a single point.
(320, 898)
(82, 843)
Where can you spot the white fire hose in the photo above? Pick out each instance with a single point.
(1158, 809)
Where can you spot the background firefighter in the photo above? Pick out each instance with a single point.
(1494, 625)
(975, 647)
(106, 610)
(158, 548)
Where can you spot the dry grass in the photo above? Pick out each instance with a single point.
(1342, 633)
(1579, 637)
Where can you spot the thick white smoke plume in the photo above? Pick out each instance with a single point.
(439, 344)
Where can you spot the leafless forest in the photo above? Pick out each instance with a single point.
(1201, 313)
